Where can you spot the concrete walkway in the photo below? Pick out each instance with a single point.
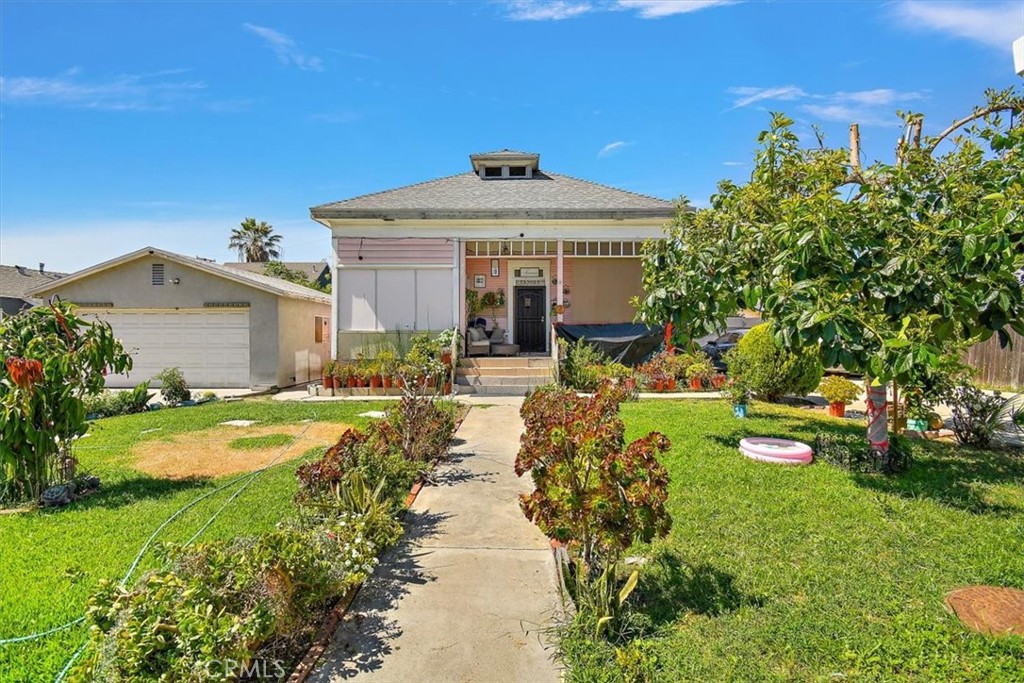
(470, 591)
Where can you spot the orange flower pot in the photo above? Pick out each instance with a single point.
(837, 409)
(696, 384)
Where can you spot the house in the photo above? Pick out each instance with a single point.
(224, 327)
(560, 248)
(317, 272)
(15, 281)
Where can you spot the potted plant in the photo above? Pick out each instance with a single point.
(387, 361)
(494, 301)
(839, 392)
(739, 395)
(717, 380)
(348, 374)
(698, 372)
(328, 373)
(919, 412)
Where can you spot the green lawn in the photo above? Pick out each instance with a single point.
(812, 573)
(50, 561)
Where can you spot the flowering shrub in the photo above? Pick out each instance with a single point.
(52, 361)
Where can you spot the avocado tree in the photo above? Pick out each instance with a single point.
(52, 359)
(887, 268)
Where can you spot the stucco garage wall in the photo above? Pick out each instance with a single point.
(602, 288)
(129, 286)
(301, 357)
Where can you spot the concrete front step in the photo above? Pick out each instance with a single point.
(489, 381)
(506, 362)
(488, 371)
(506, 390)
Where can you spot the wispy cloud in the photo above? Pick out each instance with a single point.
(542, 10)
(161, 90)
(354, 55)
(656, 9)
(996, 24)
(612, 148)
(866, 107)
(286, 49)
(335, 117)
(734, 163)
(747, 95)
(557, 10)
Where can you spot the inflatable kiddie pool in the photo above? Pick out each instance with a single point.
(778, 451)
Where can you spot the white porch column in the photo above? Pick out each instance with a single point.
(560, 275)
(460, 283)
(335, 293)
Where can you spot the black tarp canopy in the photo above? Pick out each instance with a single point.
(626, 343)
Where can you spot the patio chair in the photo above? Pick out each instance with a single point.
(477, 343)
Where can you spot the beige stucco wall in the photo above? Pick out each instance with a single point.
(602, 288)
(130, 286)
(300, 357)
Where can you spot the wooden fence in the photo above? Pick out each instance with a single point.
(996, 366)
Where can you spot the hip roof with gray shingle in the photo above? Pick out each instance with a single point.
(468, 196)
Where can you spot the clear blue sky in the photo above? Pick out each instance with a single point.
(167, 123)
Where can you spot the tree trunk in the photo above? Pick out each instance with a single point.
(878, 421)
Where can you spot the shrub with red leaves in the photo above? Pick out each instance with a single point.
(592, 491)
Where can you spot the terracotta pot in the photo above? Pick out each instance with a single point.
(360, 382)
(376, 382)
(659, 385)
(630, 384)
(387, 381)
(696, 384)
(670, 385)
(717, 381)
(447, 388)
(328, 382)
(446, 357)
(431, 382)
(399, 382)
(837, 409)
(351, 382)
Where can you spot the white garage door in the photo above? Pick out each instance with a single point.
(210, 347)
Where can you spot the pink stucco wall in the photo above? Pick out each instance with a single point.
(391, 252)
(482, 266)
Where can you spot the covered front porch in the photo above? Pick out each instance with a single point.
(531, 284)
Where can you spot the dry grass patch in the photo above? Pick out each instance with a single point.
(210, 453)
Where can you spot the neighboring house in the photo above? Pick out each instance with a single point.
(15, 281)
(317, 272)
(223, 327)
(405, 257)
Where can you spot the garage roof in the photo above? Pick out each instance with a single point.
(257, 280)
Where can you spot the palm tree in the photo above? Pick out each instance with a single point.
(255, 241)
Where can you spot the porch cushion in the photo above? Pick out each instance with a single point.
(476, 334)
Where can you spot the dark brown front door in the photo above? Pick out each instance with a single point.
(530, 316)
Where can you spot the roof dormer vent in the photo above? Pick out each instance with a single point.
(505, 164)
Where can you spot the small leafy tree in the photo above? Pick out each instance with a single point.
(255, 241)
(53, 359)
(887, 268)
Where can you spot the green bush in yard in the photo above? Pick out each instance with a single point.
(239, 600)
(174, 388)
(771, 371)
(111, 403)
